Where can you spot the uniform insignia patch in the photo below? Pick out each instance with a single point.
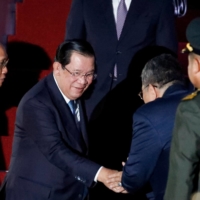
(190, 96)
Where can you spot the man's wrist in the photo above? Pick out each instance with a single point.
(96, 176)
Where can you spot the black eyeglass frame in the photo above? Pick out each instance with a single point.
(77, 75)
(4, 63)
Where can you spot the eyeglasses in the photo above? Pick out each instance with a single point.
(3, 63)
(140, 94)
(77, 75)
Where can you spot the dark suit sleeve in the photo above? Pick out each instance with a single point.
(166, 30)
(184, 154)
(41, 125)
(75, 26)
(144, 153)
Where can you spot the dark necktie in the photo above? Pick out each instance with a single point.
(121, 16)
(74, 109)
(71, 105)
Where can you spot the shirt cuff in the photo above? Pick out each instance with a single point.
(95, 178)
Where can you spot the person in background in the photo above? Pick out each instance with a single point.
(3, 64)
(117, 29)
(50, 146)
(163, 87)
(3, 71)
(183, 180)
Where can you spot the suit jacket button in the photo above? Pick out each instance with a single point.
(118, 52)
(110, 75)
(79, 196)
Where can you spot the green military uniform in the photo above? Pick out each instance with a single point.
(185, 151)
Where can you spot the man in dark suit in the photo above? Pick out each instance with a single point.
(183, 180)
(162, 89)
(50, 147)
(116, 39)
(147, 23)
(3, 64)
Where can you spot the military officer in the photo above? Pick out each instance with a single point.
(183, 179)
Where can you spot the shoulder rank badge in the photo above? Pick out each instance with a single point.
(190, 96)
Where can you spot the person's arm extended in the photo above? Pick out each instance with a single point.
(41, 126)
(143, 155)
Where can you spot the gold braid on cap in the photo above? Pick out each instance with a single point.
(188, 47)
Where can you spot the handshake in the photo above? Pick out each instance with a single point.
(111, 179)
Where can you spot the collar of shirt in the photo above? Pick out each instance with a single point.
(115, 4)
(67, 101)
(65, 98)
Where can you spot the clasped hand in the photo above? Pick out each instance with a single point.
(112, 179)
(114, 182)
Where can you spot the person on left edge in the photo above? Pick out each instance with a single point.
(3, 64)
(50, 146)
(163, 87)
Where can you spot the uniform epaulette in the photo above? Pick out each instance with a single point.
(190, 96)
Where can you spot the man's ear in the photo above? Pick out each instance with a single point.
(153, 92)
(56, 68)
(196, 67)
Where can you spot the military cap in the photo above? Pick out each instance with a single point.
(193, 37)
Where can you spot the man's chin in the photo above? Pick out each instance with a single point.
(1, 82)
(78, 95)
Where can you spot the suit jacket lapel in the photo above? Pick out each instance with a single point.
(107, 13)
(83, 123)
(136, 8)
(72, 133)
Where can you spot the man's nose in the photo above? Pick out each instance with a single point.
(5, 70)
(83, 79)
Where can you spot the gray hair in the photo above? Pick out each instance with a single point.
(161, 70)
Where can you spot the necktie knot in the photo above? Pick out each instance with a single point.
(72, 106)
